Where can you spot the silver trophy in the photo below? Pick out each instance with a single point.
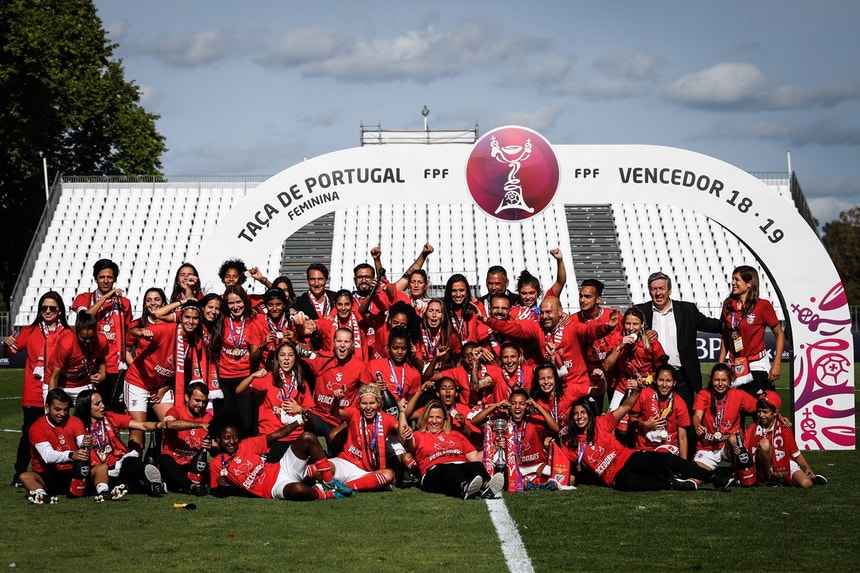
(513, 156)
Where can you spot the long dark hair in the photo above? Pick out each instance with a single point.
(215, 330)
(83, 407)
(178, 290)
(749, 275)
(297, 372)
(290, 292)
(465, 308)
(61, 309)
(590, 406)
(537, 393)
(248, 312)
(413, 323)
(146, 317)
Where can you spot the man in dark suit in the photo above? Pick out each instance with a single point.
(677, 323)
(318, 301)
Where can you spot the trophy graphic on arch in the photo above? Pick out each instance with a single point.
(513, 156)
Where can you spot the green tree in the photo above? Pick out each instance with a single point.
(62, 95)
(842, 241)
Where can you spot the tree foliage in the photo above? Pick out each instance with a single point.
(842, 241)
(62, 95)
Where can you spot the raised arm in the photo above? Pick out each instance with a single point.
(560, 274)
(403, 282)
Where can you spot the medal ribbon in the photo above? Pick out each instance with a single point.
(398, 384)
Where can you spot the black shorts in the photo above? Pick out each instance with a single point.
(57, 482)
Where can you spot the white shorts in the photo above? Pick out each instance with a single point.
(529, 470)
(292, 470)
(617, 398)
(712, 458)
(137, 398)
(346, 471)
(668, 448)
(72, 392)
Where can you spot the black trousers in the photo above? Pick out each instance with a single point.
(448, 479)
(244, 405)
(651, 471)
(22, 459)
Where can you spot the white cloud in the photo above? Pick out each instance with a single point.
(190, 50)
(421, 54)
(742, 86)
(826, 209)
(634, 65)
(619, 75)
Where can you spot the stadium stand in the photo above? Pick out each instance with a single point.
(150, 227)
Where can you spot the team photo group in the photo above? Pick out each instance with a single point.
(309, 393)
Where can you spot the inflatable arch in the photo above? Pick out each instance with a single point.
(512, 173)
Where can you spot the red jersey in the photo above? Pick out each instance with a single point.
(440, 448)
(237, 338)
(137, 345)
(529, 438)
(159, 364)
(329, 325)
(114, 318)
(721, 414)
(750, 328)
(108, 447)
(426, 349)
(784, 446)
(365, 439)
(605, 456)
(402, 381)
(57, 439)
(75, 366)
(183, 445)
(650, 405)
(331, 375)
(636, 361)
(266, 325)
(247, 470)
(39, 342)
(471, 330)
(272, 398)
(462, 377)
(521, 379)
(568, 339)
(599, 348)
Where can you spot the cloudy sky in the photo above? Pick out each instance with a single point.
(250, 88)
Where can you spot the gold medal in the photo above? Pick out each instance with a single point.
(279, 335)
(237, 352)
(102, 456)
(664, 435)
(224, 472)
(106, 328)
(718, 436)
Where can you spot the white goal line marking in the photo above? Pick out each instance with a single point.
(512, 545)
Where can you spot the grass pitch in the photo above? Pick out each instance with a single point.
(590, 529)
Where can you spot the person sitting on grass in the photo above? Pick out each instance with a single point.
(239, 465)
(449, 464)
(113, 463)
(361, 465)
(593, 447)
(717, 413)
(57, 440)
(778, 461)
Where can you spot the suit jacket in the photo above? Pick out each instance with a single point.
(304, 304)
(688, 321)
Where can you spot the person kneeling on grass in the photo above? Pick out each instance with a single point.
(57, 440)
(239, 465)
(592, 446)
(361, 463)
(449, 464)
(778, 461)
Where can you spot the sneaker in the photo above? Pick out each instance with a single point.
(410, 479)
(493, 488)
(773, 482)
(678, 484)
(722, 483)
(340, 489)
(471, 489)
(550, 485)
(819, 480)
(16, 482)
(53, 500)
(99, 498)
(153, 476)
(36, 498)
(118, 492)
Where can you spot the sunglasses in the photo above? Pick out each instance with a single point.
(46, 308)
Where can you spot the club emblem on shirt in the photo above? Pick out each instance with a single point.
(750, 318)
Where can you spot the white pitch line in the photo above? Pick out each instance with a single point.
(512, 545)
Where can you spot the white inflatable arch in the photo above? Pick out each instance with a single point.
(812, 296)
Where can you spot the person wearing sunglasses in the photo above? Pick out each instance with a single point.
(38, 339)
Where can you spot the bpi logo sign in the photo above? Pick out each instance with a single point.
(512, 173)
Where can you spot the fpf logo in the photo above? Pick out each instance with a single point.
(512, 173)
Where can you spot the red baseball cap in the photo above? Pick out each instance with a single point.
(771, 398)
